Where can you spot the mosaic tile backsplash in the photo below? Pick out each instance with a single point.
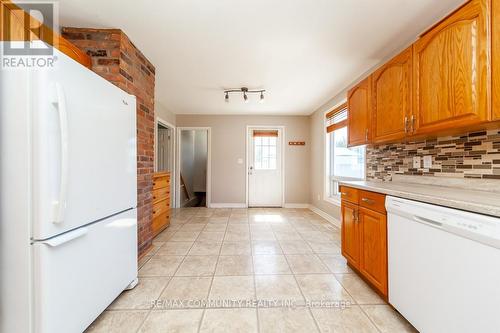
(473, 155)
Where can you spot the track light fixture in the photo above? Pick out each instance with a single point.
(245, 91)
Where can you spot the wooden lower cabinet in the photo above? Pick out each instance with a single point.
(364, 237)
(373, 247)
(161, 202)
(350, 233)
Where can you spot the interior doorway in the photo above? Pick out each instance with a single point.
(265, 171)
(165, 153)
(194, 165)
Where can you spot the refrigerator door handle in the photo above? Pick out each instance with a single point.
(64, 238)
(59, 205)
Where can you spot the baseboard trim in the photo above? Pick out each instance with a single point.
(326, 216)
(296, 205)
(228, 205)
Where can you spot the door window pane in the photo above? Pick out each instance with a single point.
(265, 152)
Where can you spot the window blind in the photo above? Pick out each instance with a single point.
(337, 118)
(266, 133)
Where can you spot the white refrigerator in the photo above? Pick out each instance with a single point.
(68, 220)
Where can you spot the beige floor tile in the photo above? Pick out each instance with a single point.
(160, 265)
(348, 320)
(266, 235)
(270, 264)
(335, 263)
(184, 236)
(229, 320)
(315, 236)
(215, 227)
(317, 287)
(299, 320)
(204, 248)
(358, 289)
(117, 322)
(234, 265)
(266, 247)
(218, 219)
(236, 248)
(186, 290)
(143, 260)
(232, 288)
(172, 321)
(238, 228)
(295, 247)
(325, 247)
(211, 236)
(387, 319)
(287, 235)
(175, 248)
(197, 266)
(236, 236)
(277, 287)
(188, 227)
(306, 264)
(165, 235)
(142, 296)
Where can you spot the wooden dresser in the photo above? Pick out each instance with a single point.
(161, 202)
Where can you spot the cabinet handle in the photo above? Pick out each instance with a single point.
(412, 123)
(406, 124)
(366, 135)
(354, 215)
(368, 201)
(343, 193)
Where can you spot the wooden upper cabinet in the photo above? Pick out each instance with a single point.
(23, 27)
(392, 98)
(495, 57)
(359, 113)
(451, 71)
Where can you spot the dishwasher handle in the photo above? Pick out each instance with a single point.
(427, 221)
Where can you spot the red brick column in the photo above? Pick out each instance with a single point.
(115, 58)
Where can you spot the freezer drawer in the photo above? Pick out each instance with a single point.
(78, 274)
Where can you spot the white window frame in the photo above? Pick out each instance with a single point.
(327, 158)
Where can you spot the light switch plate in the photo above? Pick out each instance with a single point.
(427, 162)
(416, 162)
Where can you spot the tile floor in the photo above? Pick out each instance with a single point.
(210, 268)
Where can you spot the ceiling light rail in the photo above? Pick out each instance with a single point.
(245, 91)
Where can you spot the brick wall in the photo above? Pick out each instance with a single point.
(115, 58)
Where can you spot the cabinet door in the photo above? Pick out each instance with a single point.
(495, 57)
(373, 248)
(359, 113)
(391, 91)
(350, 233)
(451, 71)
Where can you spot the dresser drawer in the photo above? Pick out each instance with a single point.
(349, 194)
(160, 207)
(161, 194)
(161, 182)
(372, 200)
(160, 222)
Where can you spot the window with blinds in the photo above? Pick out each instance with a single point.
(343, 163)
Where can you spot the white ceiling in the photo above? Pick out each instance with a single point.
(304, 52)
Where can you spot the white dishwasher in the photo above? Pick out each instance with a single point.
(444, 267)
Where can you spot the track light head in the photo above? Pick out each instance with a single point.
(226, 98)
(245, 91)
(245, 97)
(261, 100)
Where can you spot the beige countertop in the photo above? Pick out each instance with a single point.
(472, 200)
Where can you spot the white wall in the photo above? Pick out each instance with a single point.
(164, 113)
(228, 144)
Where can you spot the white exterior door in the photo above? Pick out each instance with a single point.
(265, 167)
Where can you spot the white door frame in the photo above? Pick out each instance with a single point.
(249, 158)
(209, 164)
(165, 123)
